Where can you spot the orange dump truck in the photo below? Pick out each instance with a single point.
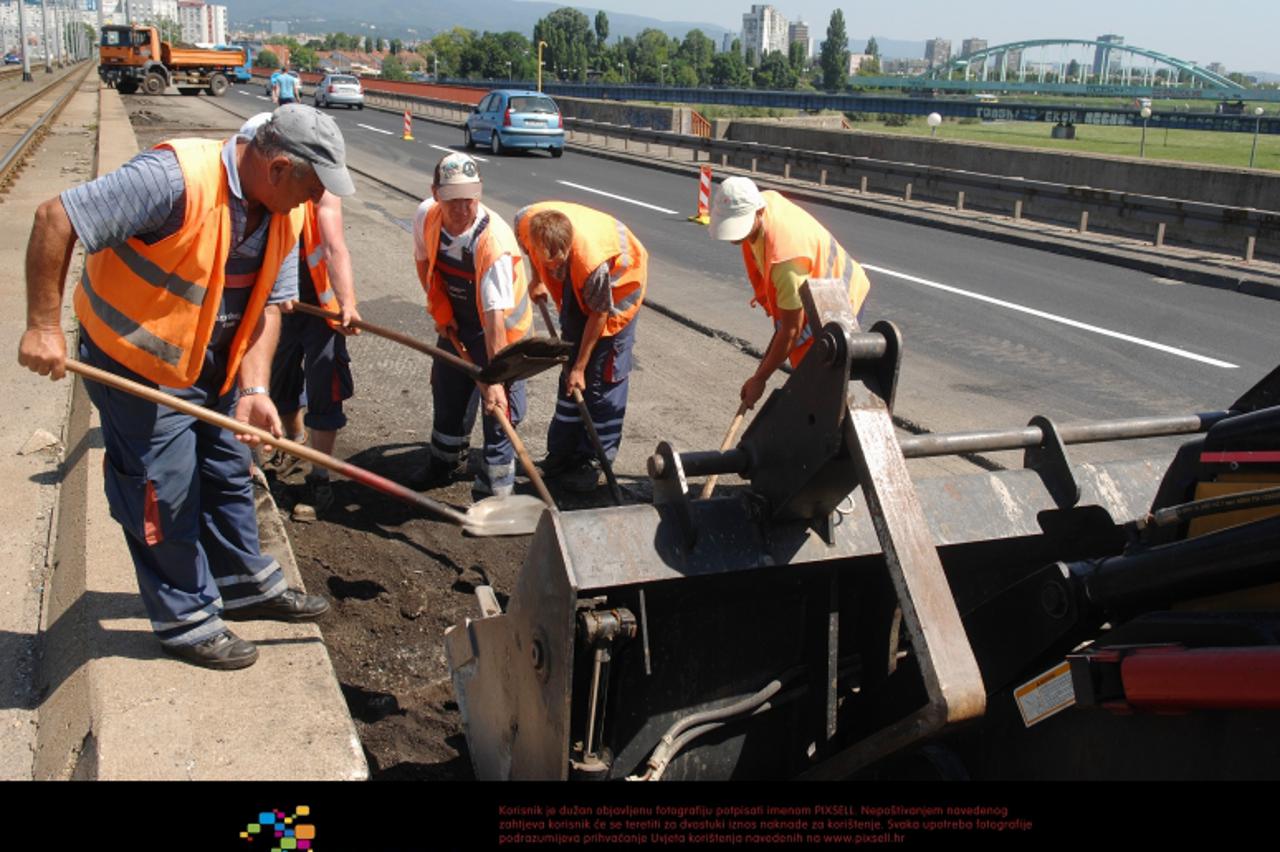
(133, 58)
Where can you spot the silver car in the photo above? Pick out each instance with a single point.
(340, 90)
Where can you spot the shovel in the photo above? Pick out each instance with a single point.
(614, 489)
(520, 360)
(510, 516)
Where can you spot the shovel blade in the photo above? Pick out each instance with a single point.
(517, 514)
(526, 358)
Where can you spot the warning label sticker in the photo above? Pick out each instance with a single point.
(1040, 698)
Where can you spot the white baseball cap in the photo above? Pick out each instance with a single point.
(457, 177)
(733, 208)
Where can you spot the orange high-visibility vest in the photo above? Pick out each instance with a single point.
(313, 255)
(597, 238)
(153, 307)
(790, 233)
(495, 241)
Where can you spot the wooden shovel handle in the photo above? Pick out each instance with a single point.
(358, 474)
(710, 484)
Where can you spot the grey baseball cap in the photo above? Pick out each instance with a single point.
(315, 137)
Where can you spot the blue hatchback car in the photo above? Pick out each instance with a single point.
(509, 118)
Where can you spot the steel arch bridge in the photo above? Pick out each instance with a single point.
(1000, 53)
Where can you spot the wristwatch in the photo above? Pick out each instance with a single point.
(252, 390)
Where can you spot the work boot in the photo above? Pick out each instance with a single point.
(437, 472)
(280, 463)
(582, 479)
(318, 499)
(224, 652)
(291, 605)
(555, 464)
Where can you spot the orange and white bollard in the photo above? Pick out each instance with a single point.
(408, 126)
(703, 216)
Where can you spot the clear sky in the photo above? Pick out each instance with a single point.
(1241, 34)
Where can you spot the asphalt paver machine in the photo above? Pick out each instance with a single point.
(835, 619)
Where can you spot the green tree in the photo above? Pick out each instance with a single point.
(341, 41)
(304, 57)
(393, 69)
(169, 30)
(695, 53)
(570, 42)
(445, 51)
(729, 69)
(872, 49)
(798, 56)
(602, 27)
(654, 48)
(835, 54)
(266, 59)
(775, 72)
(1073, 70)
(396, 46)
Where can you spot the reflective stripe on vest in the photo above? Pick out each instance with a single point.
(314, 256)
(598, 238)
(153, 308)
(496, 240)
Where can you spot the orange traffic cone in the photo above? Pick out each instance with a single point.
(703, 216)
(408, 126)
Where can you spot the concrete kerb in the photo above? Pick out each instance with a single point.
(115, 706)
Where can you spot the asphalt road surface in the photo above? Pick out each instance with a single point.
(994, 333)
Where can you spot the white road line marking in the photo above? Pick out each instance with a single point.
(261, 97)
(247, 94)
(452, 151)
(376, 129)
(1172, 350)
(619, 197)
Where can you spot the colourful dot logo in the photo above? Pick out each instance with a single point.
(285, 832)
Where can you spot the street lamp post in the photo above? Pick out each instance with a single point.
(44, 37)
(934, 120)
(1142, 146)
(661, 68)
(541, 45)
(1257, 126)
(22, 43)
(622, 69)
(508, 70)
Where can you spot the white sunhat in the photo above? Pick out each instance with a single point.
(733, 208)
(459, 177)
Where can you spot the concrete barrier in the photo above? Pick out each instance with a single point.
(1218, 208)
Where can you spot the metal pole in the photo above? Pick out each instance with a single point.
(1142, 146)
(1257, 126)
(44, 37)
(22, 42)
(541, 44)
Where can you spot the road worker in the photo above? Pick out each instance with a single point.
(312, 369)
(191, 248)
(470, 266)
(595, 270)
(782, 247)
